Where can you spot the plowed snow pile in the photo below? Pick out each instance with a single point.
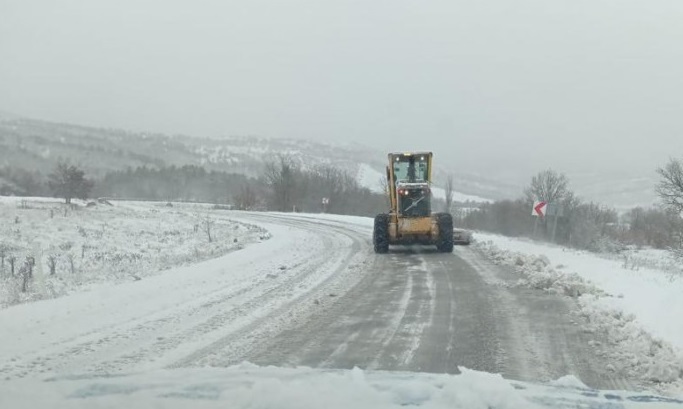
(48, 249)
(631, 348)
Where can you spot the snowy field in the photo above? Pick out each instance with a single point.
(67, 249)
(635, 300)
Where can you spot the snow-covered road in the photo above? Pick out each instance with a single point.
(422, 311)
(314, 294)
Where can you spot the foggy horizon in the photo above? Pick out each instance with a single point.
(586, 87)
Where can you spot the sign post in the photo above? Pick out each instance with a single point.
(326, 201)
(556, 212)
(541, 210)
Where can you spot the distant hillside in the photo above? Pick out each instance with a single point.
(39, 145)
(623, 191)
(34, 144)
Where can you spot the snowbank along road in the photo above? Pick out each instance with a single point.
(315, 294)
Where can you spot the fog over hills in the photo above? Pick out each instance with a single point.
(37, 144)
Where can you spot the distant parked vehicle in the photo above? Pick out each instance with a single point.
(462, 237)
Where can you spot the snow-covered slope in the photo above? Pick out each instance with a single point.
(440, 193)
(623, 190)
(370, 177)
(38, 145)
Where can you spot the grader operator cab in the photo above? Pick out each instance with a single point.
(410, 219)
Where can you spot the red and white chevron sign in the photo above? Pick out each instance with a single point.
(540, 208)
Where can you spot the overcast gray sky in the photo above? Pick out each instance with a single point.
(506, 86)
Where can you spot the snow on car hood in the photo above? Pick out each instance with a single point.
(249, 386)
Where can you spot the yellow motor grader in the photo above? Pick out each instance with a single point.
(410, 219)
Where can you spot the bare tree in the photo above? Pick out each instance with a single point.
(670, 186)
(591, 227)
(12, 261)
(52, 264)
(551, 187)
(207, 226)
(3, 254)
(26, 272)
(68, 181)
(280, 177)
(449, 193)
(246, 199)
(548, 186)
(333, 183)
(70, 258)
(30, 263)
(384, 185)
(25, 277)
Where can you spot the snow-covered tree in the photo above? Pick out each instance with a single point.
(68, 181)
(548, 186)
(281, 178)
(670, 186)
(449, 193)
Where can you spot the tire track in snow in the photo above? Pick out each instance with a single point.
(412, 332)
(409, 333)
(241, 315)
(399, 312)
(335, 268)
